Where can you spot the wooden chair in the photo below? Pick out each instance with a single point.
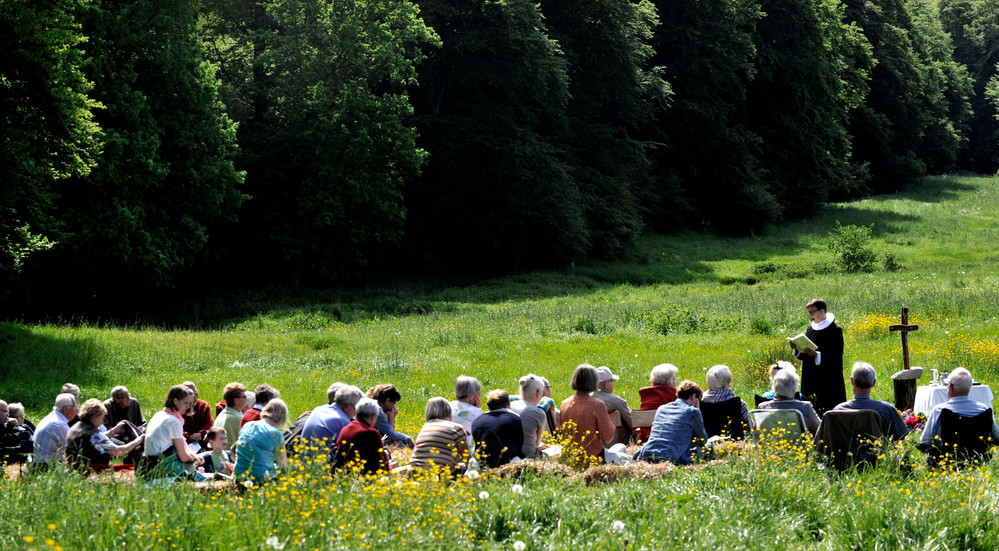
(641, 420)
(616, 418)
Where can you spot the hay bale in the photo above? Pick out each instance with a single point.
(538, 467)
(639, 470)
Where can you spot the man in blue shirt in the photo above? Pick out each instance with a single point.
(863, 380)
(678, 433)
(327, 421)
(959, 385)
(50, 436)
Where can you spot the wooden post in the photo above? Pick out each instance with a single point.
(905, 329)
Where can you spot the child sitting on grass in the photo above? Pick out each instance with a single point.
(219, 459)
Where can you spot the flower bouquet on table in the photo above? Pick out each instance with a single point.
(915, 421)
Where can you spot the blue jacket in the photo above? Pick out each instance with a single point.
(677, 435)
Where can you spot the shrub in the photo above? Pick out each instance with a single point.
(851, 245)
(891, 262)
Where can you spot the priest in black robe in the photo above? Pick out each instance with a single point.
(822, 368)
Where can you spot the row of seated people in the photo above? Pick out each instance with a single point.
(680, 429)
(349, 424)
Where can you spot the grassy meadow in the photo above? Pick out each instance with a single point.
(692, 300)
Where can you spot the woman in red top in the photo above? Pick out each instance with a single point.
(359, 444)
(662, 392)
(593, 426)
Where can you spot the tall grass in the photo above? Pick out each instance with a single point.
(698, 300)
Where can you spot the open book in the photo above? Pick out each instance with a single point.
(803, 342)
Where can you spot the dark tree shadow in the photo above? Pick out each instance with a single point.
(36, 366)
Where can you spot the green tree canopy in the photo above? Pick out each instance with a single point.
(47, 131)
(811, 69)
(708, 52)
(498, 192)
(166, 176)
(326, 132)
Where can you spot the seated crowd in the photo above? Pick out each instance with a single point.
(250, 437)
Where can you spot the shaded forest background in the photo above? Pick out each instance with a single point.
(149, 148)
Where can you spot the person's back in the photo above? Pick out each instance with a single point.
(325, 422)
(785, 385)
(50, 435)
(531, 418)
(896, 427)
(464, 414)
(440, 442)
(256, 450)
(862, 379)
(618, 404)
(676, 436)
(959, 386)
(498, 433)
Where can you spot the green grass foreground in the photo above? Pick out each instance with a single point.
(696, 300)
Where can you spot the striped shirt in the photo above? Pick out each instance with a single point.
(441, 442)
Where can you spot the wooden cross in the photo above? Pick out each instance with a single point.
(905, 329)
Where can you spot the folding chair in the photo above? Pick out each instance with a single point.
(777, 425)
(724, 418)
(851, 437)
(963, 439)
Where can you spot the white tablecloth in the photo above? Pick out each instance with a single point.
(928, 397)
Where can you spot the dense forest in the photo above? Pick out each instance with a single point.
(152, 144)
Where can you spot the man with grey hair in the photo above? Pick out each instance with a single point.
(326, 422)
(50, 436)
(122, 407)
(605, 393)
(959, 385)
(785, 387)
(863, 378)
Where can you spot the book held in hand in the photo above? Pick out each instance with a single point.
(803, 342)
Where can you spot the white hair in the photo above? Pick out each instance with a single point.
(961, 380)
(664, 374)
(786, 383)
(366, 407)
(118, 392)
(719, 377)
(65, 400)
(531, 383)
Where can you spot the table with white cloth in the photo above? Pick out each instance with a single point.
(928, 397)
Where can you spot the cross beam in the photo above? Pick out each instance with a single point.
(905, 328)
